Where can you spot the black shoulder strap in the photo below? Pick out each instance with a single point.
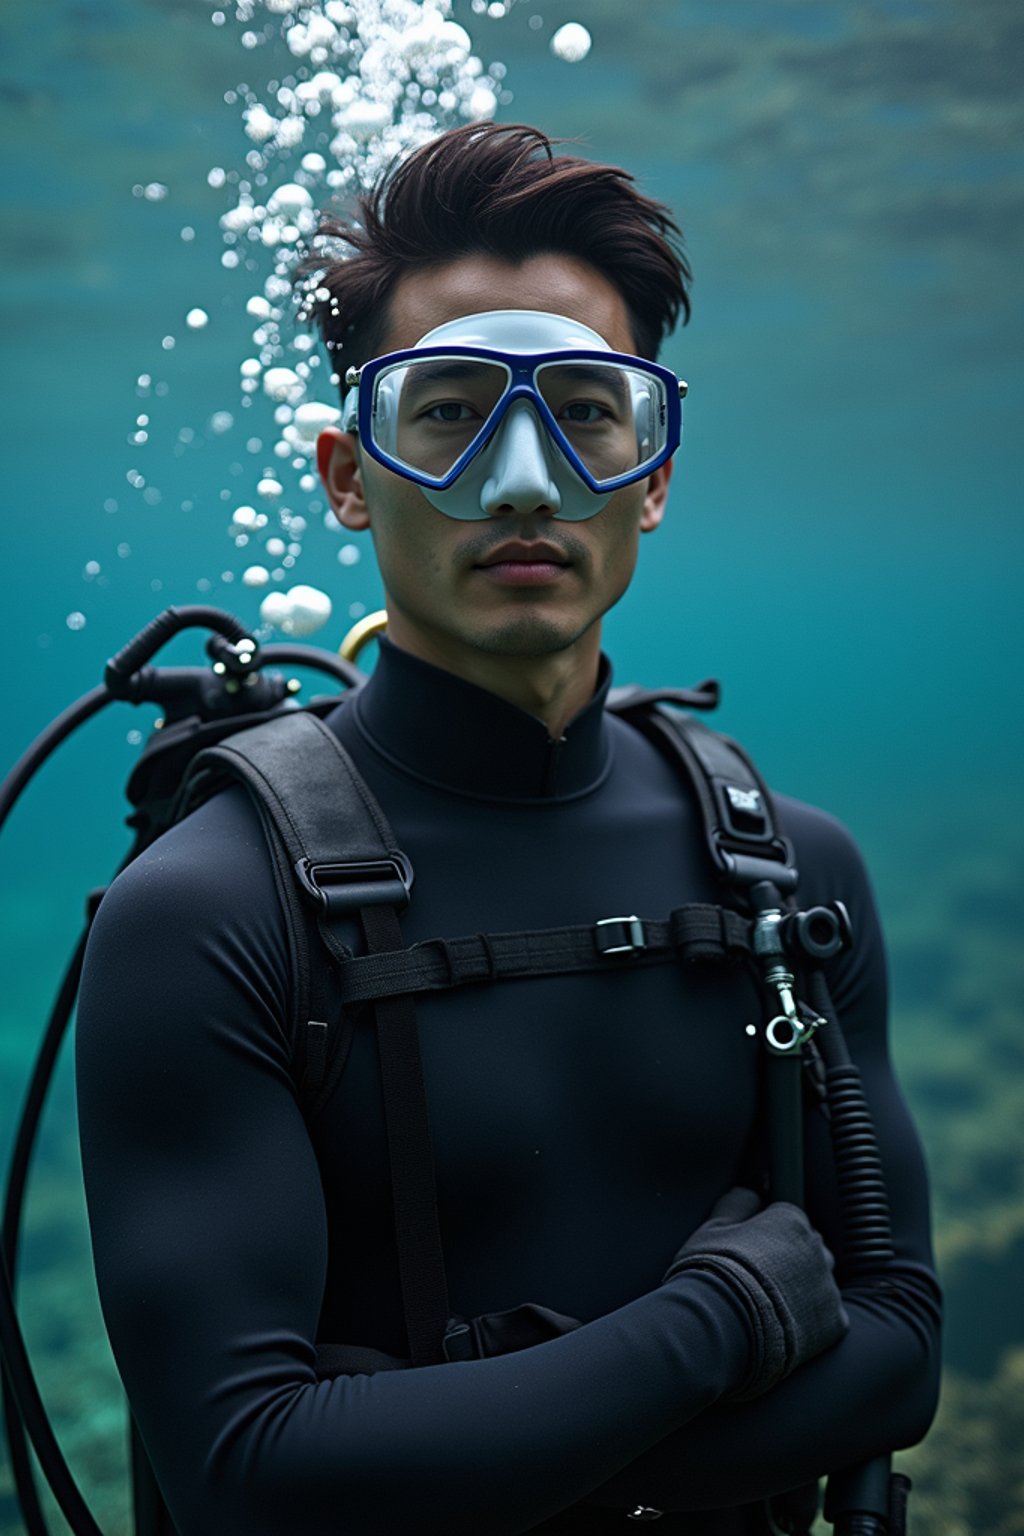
(740, 823)
(331, 841)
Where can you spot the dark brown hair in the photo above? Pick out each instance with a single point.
(500, 190)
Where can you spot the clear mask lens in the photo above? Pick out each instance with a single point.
(613, 417)
(428, 414)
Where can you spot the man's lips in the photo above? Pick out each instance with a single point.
(536, 553)
(524, 565)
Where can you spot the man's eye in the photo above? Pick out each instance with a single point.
(583, 412)
(450, 411)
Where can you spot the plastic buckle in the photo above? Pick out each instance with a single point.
(619, 935)
(458, 1341)
(341, 888)
(744, 869)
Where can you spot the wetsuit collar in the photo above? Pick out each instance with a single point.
(441, 729)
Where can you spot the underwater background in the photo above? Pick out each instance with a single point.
(842, 548)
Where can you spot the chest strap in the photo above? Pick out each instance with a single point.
(694, 934)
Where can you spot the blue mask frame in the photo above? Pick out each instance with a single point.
(522, 367)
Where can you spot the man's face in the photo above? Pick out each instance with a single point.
(520, 584)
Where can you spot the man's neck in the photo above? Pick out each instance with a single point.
(552, 687)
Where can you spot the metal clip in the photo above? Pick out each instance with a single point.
(619, 935)
(788, 1030)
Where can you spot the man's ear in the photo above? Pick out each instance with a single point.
(656, 498)
(337, 459)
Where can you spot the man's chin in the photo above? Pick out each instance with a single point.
(527, 635)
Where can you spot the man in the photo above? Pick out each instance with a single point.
(506, 438)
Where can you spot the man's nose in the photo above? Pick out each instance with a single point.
(520, 476)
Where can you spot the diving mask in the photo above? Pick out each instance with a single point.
(515, 407)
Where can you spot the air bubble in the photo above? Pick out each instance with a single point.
(572, 42)
(300, 611)
(349, 554)
(283, 385)
(482, 103)
(196, 319)
(313, 417)
(75, 620)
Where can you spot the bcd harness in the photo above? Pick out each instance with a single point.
(335, 858)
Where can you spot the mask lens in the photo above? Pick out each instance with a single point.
(615, 418)
(426, 414)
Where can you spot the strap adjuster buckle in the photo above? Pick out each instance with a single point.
(341, 888)
(619, 935)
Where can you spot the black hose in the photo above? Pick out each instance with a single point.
(14, 1197)
(867, 1235)
(121, 667)
(284, 655)
(47, 742)
(867, 1225)
(30, 1406)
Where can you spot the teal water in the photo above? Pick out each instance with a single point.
(843, 547)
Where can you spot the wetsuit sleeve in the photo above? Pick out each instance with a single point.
(875, 1391)
(210, 1242)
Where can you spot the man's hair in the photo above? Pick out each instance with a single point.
(498, 190)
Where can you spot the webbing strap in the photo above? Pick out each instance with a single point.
(410, 1152)
(693, 934)
(330, 838)
(336, 836)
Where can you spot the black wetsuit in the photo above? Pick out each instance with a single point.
(583, 1127)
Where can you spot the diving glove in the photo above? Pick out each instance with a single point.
(781, 1271)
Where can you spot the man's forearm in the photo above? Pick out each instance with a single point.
(874, 1392)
